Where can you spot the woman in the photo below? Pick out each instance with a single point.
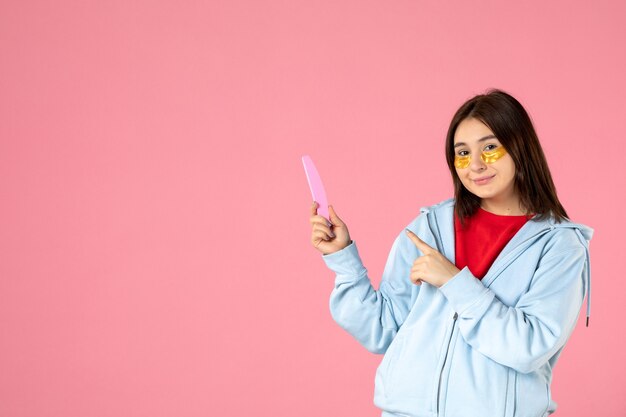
(481, 292)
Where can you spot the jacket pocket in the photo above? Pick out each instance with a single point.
(385, 368)
(406, 369)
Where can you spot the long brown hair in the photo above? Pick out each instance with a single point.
(510, 123)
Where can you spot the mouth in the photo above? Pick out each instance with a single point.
(483, 180)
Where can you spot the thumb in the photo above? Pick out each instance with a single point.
(333, 217)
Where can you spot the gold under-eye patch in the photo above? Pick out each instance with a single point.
(488, 157)
(462, 162)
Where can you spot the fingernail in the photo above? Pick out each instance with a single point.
(332, 234)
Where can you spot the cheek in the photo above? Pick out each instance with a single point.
(508, 170)
(461, 173)
(461, 176)
(505, 166)
(512, 173)
(511, 167)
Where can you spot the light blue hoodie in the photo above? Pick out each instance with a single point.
(473, 347)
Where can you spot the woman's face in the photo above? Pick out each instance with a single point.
(491, 177)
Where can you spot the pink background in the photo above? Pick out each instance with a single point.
(154, 235)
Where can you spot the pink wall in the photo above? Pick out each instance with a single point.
(154, 251)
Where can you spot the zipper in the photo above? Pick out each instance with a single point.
(456, 315)
(509, 406)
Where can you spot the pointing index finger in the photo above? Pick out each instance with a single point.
(421, 245)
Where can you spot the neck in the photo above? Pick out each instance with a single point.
(510, 207)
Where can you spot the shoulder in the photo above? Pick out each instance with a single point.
(566, 236)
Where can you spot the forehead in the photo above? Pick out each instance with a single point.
(471, 131)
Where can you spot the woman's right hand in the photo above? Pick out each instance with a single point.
(328, 239)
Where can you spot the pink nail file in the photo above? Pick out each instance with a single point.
(316, 186)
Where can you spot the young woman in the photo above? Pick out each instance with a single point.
(480, 293)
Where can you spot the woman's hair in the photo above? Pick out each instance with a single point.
(510, 123)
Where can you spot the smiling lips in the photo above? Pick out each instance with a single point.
(483, 180)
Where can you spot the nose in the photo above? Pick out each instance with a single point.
(477, 165)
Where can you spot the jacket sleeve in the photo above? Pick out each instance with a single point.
(525, 336)
(373, 317)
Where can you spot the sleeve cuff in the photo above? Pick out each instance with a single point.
(466, 293)
(346, 262)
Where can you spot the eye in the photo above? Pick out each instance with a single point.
(462, 153)
(490, 147)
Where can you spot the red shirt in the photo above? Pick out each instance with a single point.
(479, 242)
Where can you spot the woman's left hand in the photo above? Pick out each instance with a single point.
(432, 267)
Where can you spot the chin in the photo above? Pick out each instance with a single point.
(482, 194)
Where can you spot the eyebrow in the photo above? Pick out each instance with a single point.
(484, 138)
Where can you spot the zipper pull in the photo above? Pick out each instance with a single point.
(456, 315)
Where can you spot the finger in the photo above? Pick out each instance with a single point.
(333, 216)
(323, 227)
(318, 241)
(318, 235)
(419, 267)
(421, 245)
(318, 219)
(314, 208)
(415, 279)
